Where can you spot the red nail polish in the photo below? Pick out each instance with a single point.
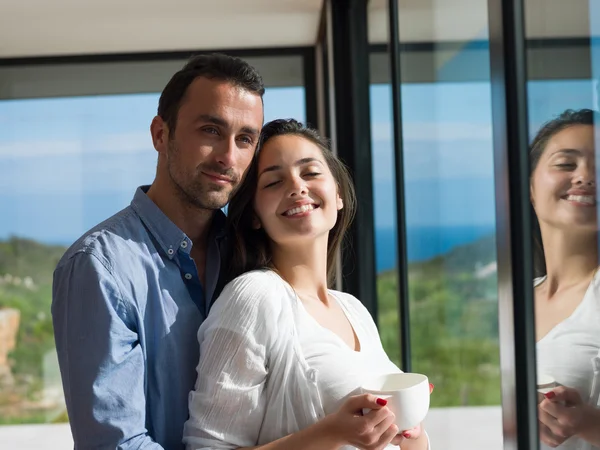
(381, 402)
(550, 395)
(406, 435)
(431, 386)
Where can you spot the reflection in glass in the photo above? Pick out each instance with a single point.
(567, 285)
(562, 48)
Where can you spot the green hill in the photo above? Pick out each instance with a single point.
(25, 257)
(464, 258)
(26, 269)
(454, 323)
(454, 327)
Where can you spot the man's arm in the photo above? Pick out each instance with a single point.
(101, 361)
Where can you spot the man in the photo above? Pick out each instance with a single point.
(130, 295)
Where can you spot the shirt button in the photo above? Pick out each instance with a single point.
(312, 375)
(184, 244)
(170, 251)
(188, 276)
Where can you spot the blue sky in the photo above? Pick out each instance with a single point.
(67, 164)
(448, 152)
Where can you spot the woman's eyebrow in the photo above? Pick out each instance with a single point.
(567, 151)
(300, 162)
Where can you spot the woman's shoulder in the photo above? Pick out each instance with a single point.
(257, 289)
(345, 297)
(257, 279)
(351, 302)
(251, 305)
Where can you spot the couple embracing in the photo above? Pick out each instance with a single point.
(177, 326)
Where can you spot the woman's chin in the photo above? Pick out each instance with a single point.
(300, 236)
(583, 226)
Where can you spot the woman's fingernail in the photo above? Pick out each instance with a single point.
(550, 395)
(406, 435)
(431, 386)
(381, 402)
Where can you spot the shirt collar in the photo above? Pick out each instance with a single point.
(218, 226)
(167, 234)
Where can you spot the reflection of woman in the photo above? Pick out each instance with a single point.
(567, 287)
(282, 356)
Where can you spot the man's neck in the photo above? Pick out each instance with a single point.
(193, 221)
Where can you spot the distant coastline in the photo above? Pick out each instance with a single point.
(425, 243)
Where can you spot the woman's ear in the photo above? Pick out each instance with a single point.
(340, 202)
(256, 223)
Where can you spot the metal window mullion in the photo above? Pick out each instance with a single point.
(402, 257)
(353, 142)
(513, 223)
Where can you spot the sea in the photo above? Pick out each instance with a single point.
(424, 243)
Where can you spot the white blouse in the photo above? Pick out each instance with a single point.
(340, 370)
(267, 368)
(570, 353)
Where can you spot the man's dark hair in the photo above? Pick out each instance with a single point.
(215, 66)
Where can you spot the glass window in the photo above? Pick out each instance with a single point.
(384, 195)
(67, 163)
(450, 213)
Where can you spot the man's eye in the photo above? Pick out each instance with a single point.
(210, 130)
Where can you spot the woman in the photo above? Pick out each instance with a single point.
(567, 287)
(282, 356)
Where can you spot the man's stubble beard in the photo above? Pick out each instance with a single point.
(193, 191)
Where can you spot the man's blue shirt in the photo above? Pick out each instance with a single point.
(127, 305)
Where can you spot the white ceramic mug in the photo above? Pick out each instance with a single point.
(407, 396)
(545, 383)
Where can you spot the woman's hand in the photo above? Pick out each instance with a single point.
(414, 434)
(371, 431)
(409, 435)
(562, 414)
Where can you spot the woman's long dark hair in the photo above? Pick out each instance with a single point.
(249, 247)
(565, 120)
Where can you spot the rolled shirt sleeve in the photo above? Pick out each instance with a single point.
(100, 357)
